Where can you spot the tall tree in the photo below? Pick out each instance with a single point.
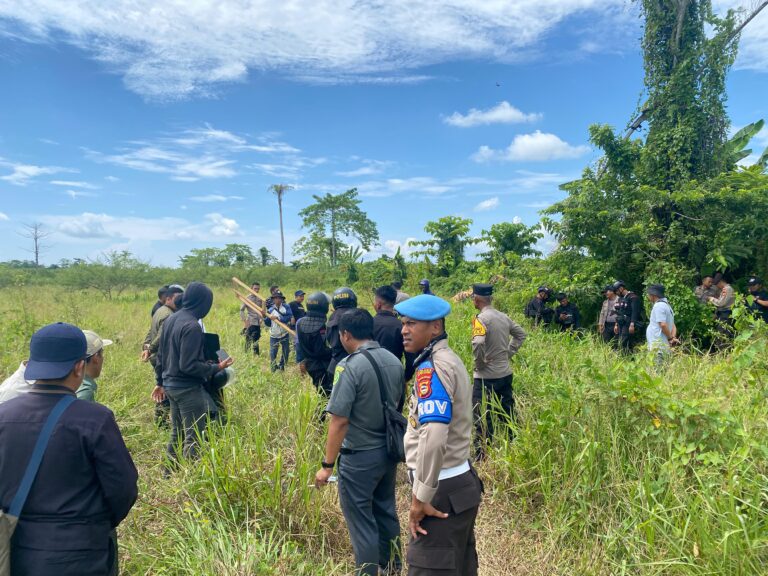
(450, 236)
(279, 190)
(511, 238)
(36, 232)
(265, 256)
(329, 220)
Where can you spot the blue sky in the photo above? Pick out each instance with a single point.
(157, 128)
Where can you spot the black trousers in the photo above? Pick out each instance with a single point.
(367, 499)
(320, 379)
(252, 335)
(495, 389)
(607, 333)
(449, 547)
(627, 341)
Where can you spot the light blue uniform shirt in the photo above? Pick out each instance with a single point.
(661, 312)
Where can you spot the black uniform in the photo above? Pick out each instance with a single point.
(298, 310)
(84, 488)
(316, 353)
(757, 309)
(538, 311)
(629, 310)
(388, 332)
(333, 339)
(573, 317)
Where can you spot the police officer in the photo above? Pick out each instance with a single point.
(495, 339)
(759, 305)
(567, 314)
(343, 299)
(311, 334)
(537, 309)
(446, 490)
(628, 316)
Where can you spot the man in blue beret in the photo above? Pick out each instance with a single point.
(446, 489)
(86, 482)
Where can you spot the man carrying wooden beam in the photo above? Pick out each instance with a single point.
(252, 320)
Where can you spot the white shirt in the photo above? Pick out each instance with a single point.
(661, 312)
(15, 385)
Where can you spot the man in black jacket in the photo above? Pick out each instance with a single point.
(629, 317)
(86, 483)
(537, 309)
(387, 328)
(316, 355)
(567, 314)
(182, 370)
(344, 299)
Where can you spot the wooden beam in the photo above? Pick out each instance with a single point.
(248, 289)
(251, 306)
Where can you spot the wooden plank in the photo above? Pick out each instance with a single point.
(252, 306)
(248, 289)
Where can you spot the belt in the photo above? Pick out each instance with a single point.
(446, 473)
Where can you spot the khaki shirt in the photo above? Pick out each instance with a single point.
(495, 339)
(440, 419)
(153, 336)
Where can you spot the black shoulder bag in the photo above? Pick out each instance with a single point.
(394, 421)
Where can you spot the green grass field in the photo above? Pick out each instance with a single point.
(614, 469)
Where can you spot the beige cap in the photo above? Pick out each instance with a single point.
(95, 342)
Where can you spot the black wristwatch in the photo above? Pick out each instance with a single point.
(325, 464)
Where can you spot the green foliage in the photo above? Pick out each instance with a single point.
(111, 274)
(508, 240)
(685, 74)
(230, 255)
(329, 219)
(450, 236)
(265, 257)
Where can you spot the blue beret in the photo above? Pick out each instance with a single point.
(424, 307)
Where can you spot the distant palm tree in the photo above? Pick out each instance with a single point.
(279, 190)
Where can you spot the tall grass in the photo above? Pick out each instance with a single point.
(611, 467)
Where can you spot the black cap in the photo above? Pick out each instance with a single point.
(543, 289)
(561, 296)
(54, 350)
(618, 284)
(299, 293)
(754, 281)
(656, 290)
(278, 294)
(482, 289)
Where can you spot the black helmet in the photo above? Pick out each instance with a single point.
(318, 302)
(618, 284)
(344, 298)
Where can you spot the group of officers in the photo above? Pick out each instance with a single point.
(362, 363)
(621, 321)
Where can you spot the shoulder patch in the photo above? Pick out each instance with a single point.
(434, 403)
(337, 374)
(478, 328)
(424, 382)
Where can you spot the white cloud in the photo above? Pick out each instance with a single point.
(74, 184)
(205, 153)
(214, 198)
(490, 204)
(502, 113)
(536, 147)
(111, 178)
(369, 168)
(166, 50)
(4, 217)
(753, 45)
(22, 174)
(75, 194)
(133, 229)
(221, 226)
